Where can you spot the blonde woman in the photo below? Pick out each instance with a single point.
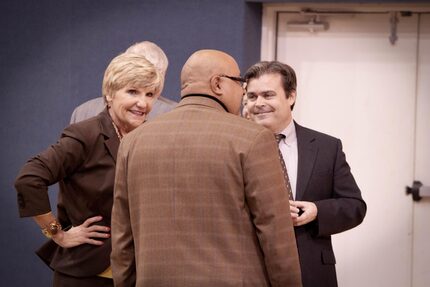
(83, 163)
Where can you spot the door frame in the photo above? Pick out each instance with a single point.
(269, 27)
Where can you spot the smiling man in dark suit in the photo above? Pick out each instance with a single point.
(327, 199)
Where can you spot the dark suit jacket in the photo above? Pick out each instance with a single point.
(324, 177)
(200, 200)
(83, 163)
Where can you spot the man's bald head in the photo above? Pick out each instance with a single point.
(203, 64)
(203, 74)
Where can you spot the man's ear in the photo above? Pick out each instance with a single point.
(292, 98)
(215, 84)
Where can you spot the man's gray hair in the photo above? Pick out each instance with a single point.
(152, 53)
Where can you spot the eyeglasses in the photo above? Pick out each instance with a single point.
(241, 81)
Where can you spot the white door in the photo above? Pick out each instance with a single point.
(355, 85)
(421, 211)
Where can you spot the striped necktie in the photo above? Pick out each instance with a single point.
(279, 137)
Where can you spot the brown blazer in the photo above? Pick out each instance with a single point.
(200, 200)
(83, 163)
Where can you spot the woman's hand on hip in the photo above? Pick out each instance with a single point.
(84, 233)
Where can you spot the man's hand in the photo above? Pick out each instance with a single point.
(307, 209)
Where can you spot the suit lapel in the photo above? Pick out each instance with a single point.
(307, 153)
(111, 139)
(112, 145)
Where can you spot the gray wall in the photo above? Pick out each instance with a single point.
(52, 58)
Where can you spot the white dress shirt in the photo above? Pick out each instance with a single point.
(288, 147)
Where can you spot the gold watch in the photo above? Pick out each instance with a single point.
(52, 229)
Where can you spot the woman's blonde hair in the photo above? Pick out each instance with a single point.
(128, 69)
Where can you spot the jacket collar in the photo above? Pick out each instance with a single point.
(107, 129)
(307, 154)
(202, 100)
